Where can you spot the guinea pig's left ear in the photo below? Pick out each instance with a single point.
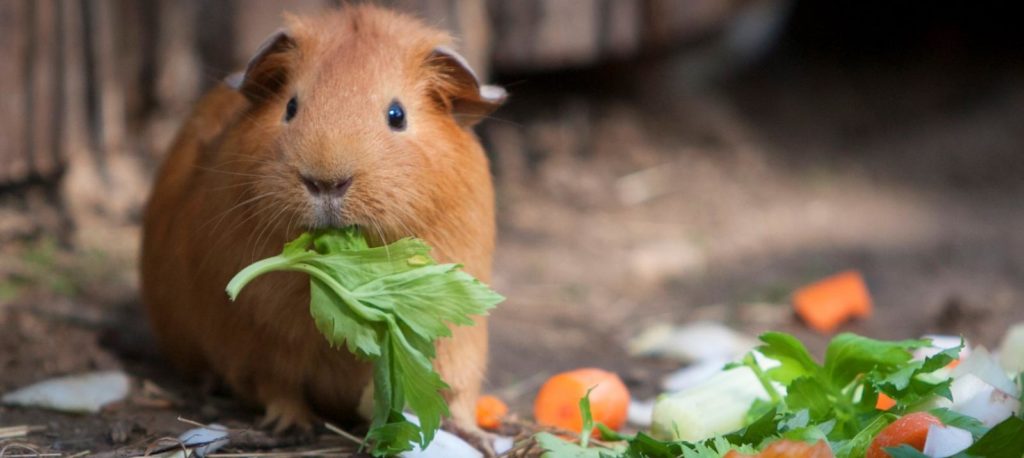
(461, 90)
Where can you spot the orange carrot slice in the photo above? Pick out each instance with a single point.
(557, 403)
(910, 429)
(489, 411)
(830, 302)
(884, 402)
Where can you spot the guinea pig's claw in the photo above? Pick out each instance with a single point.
(286, 415)
(478, 438)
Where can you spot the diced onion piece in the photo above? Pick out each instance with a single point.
(974, 397)
(983, 365)
(943, 441)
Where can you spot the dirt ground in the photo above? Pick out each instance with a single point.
(628, 209)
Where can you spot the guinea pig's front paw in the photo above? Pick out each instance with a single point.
(285, 415)
(471, 433)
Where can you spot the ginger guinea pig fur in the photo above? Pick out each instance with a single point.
(357, 116)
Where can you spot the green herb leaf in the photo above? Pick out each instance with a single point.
(857, 446)
(387, 305)
(557, 447)
(795, 361)
(588, 419)
(959, 420)
(849, 355)
(1005, 440)
(808, 393)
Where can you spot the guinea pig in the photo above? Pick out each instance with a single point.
(358, 116)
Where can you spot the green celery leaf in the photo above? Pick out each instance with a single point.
(339, 239)
(808, 393)
(849, 355)
(795, 361)
(429, 297)
(421, 385)
(715, 447)
(557, 447)
(644, 446)
(336, 321)
(857, 446)
(356, 268)
(393, 438)
(1005, 440)
(959, 420)
(757, 432)
(387, 304)
(610, 435)
(758, 409)
(914, 382)
(588, 419)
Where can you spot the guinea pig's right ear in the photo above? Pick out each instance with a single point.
(460, 89)
(267, 70)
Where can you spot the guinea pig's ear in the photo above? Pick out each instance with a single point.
(267, 70)
(460, 89)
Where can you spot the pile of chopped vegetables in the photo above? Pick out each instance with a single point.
(868, 398)
(387, 305)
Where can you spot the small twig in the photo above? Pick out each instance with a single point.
(343, 433)
(11, 432)
(191, 422)
(23, 447)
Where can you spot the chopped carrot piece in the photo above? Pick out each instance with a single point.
(489, 412)
(953, 364)
(789, 449)
(557, 403)
(910, 429)
(884, 402)
(830, 302)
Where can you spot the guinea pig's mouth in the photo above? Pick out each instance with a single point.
(328, 214)
(327, 202)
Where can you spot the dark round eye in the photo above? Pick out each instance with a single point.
(396, 116)
(293, 107)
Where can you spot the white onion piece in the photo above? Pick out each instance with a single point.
(943, 441)
(974, 397)
(983, 365)
(81, 393)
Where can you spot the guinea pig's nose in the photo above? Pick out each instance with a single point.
(332, 188)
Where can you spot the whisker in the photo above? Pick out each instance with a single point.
(225, 172)
(272, 226)
(383, 239)
(225, 213)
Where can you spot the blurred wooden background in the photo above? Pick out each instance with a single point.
(94, 89)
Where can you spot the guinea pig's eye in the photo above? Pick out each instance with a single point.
(396, 116)
(291, 109)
